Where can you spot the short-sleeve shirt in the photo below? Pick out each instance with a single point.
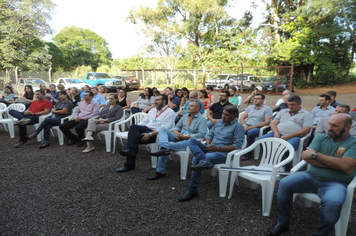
(176, 101)
(319, 113)
(60, 105)
(39, 106)
(326, 145)
(218, 109)
(234, 100)
(257, 115)
(145, 103)
(289, 123)
(10, 97)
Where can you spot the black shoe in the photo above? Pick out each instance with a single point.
(44, 145)
(155, 176)
(124, 169)
(71, 142)
(80, 144)
(246, 157)
(127, 153)
(162, 152)
(187, 196)
(204, 165)
(276, 229)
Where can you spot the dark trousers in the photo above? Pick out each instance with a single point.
(47, 124)
(134, 139)
(79, 127)
(135, 110)
(23, 128)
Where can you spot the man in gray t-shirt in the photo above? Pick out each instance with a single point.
(255, 117)
(291, 124)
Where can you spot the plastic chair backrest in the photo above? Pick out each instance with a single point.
(17, 107)
(137, 118)
(273, 151)
(2, 106)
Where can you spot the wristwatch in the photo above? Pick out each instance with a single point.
(314, 155)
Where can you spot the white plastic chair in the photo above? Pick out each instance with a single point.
(119, 127)
(108, 133)
(10, 120)
(298, 152)
(273, 151)
(342, 224)
(224, 175)
(7, 122)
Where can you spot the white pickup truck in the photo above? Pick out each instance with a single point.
(34, 82)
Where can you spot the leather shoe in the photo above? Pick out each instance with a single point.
(127, 153)
(187, 196)
(277, 229)
(124, 169)
(71, 142)
(19, 144)
(155, 176)
(204, 165)
(44, 145)
(80, 144)
(162, 152)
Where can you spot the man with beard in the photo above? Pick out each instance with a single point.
(216, 110)
(147, 130)
(332, 163)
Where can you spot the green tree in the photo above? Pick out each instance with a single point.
(188, 28)
(22, 24)
(83, 47)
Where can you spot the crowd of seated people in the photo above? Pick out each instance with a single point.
(331, 154)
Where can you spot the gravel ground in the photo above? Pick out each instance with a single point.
(62, 191)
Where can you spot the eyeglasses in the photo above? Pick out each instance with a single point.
(156, 100)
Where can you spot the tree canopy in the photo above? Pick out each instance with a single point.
(22, 24)
(82, 47)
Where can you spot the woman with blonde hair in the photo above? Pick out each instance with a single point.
(74, 96)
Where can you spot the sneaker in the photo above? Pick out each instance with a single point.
(23, 121)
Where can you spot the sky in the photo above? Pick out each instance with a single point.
(107, 18)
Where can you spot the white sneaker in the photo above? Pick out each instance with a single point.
(23, 121)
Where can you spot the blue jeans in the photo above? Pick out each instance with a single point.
(331, 193)
(209, 124)
(293, 141)
(23, 128)
(47, 124)
(167, 140)
(200, 154)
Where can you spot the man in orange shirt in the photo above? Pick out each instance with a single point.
(38, 107)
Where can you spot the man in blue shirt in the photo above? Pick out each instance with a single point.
(226, 135)
(52, 94)
(98, 98)
(192, 125)
(193, 95)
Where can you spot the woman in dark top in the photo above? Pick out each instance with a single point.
(124, 101)
(61, 109)
(28, 96)
(185, 96)
(111, 112)
(74, 97)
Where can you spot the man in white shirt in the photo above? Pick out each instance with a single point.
(280, 101)
(147, 130)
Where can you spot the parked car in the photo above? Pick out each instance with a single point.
(283, 84)
(71, 82)
(131, 81)
(249, 82)
(34, 82)
(224, 81)
(95, 79)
